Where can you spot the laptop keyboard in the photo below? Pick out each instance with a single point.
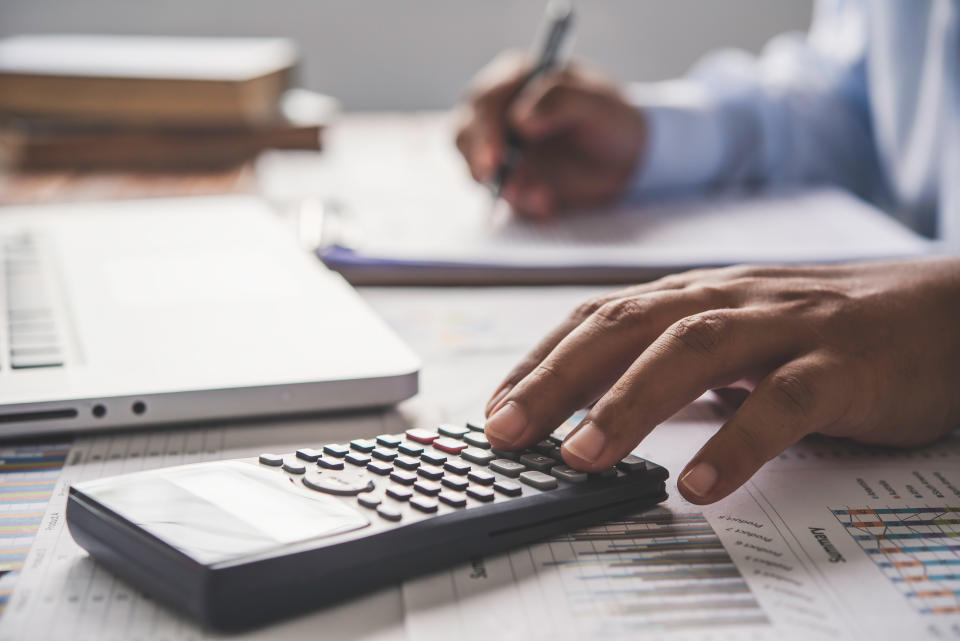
(33, 333)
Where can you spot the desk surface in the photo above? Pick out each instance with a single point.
(798, 552)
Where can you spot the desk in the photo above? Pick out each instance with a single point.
(790, 554)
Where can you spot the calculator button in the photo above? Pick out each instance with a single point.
(481, 477)
(539, 480)
(631, 463)
(452, 499)
(357, 459)
(453, 431)
(421, 436)
(337, 485)
(410, 449)
(406, 462)
(544, 446)
(273, 460)
(476, 455)
(507, 454)
(475, 426)
(427, 487)
(449, 445)
(476, 439)
(389, 440)
(537, 462)
(294, 466)
(480, 493)
(362, 444)
(330, 463)
(403, 477)
(547, 448)
(508, 487)
(399, 493)
(379, 467)
(424, 504)
(568, 474)
(336, 450)
(430, 472)
(308, 454)
(561, 433)
(389, 513)
(368, 500)
(433, 458)
(506, 467)
(454, 483)
(383, 454)
(456, 466)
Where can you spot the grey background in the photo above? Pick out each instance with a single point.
(416, 54)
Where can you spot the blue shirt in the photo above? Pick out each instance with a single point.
(868, 99)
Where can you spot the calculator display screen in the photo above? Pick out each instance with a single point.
(215, 512)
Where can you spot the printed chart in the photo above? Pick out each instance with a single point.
(916, 548)
(28, 475)
(659, 570)
(663, 572)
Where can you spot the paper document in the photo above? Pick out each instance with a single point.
(394, 203)
(830, 541)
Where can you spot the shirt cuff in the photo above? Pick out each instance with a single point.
(684, 144)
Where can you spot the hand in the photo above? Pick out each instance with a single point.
(869, 352)
(582, 139)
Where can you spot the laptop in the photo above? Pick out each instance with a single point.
(148, 312)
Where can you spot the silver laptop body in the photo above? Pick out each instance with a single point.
(169, 310)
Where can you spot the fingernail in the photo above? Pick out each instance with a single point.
(497, 397)
(700, 479)
(507, 424)
(586, 443)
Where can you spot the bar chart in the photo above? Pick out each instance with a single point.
(660, 570)
(28, 475)
(916, 548)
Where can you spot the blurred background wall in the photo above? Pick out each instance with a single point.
(416, 54)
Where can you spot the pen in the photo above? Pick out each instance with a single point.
(558, 19)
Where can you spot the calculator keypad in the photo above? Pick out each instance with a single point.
(424, 472)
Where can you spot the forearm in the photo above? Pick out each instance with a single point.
(797, 114)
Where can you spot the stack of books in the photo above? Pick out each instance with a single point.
(141, 102)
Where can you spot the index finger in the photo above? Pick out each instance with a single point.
(581, 313)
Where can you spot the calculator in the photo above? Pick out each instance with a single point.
(239, 543)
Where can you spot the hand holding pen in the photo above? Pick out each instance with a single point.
(547, 137)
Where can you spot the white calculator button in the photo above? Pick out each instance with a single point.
(390, 513)
(539, 480)
(632, 463)
(568, 474)
(294, 466)
(424, 504)
(273, 460)
(507, 467)
(453, 499)
(478, 456)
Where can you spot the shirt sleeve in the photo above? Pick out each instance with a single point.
(798, 113)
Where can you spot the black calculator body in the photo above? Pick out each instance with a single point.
(239, 543)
